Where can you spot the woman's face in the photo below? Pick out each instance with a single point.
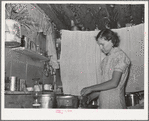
(105, 45)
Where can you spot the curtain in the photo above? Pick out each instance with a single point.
(132, 42)
(80, 58)
(51, 48)
(79, 61)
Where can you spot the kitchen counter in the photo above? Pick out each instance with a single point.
(18, 101)
(18, 93)
(138, 106)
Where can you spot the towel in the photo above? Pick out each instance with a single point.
(132, 43)
(51, 49)
(79, 61)
(81, 56)
(136, 76)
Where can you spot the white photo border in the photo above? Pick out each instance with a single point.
(75, 114)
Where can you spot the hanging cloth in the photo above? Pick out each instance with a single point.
(132, 43)
(78, 53)
(51, 49)
(136, 76)
(79, 61)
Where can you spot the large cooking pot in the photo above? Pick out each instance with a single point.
(47, 99)
(132, 99)
(67, 101)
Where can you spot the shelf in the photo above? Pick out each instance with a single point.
(30, 53)
(17, 93)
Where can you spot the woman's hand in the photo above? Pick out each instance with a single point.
(85, 91)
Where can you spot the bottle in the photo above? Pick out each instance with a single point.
(72, 23)
(6, 82)
(36, 94)
(54, 82)
(73, 26)
(37, 42)
(22, 41)
(96, 29)
(36, 103)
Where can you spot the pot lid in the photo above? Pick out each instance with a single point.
(66, 96)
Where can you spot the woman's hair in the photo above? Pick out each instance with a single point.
(108, 35)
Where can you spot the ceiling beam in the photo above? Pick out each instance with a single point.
(48, 11)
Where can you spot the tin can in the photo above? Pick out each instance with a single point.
(13, 83)
(22, 84)
(47, 100)
(17, 84)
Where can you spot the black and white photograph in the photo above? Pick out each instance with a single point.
(74, 60)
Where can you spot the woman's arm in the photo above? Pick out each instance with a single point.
(113, 83)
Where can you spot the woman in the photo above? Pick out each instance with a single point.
(114, 72)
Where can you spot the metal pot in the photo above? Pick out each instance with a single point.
(132, 99)
(48, 87)
(93, 104)
(47, 100)
(67, 101)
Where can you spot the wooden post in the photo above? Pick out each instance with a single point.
(54, 81)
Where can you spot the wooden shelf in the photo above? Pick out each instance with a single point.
(30, 53)
(17, 93)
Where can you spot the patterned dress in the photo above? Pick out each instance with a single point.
(116, 60)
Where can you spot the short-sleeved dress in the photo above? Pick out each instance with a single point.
(117, 60)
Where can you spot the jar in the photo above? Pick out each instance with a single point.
(37, 87)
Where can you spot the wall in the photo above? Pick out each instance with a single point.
(18, 101)
(24, 67)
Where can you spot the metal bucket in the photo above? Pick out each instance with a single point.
(47, 100)
(132, 99)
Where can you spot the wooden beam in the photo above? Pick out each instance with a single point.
(48, 11)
